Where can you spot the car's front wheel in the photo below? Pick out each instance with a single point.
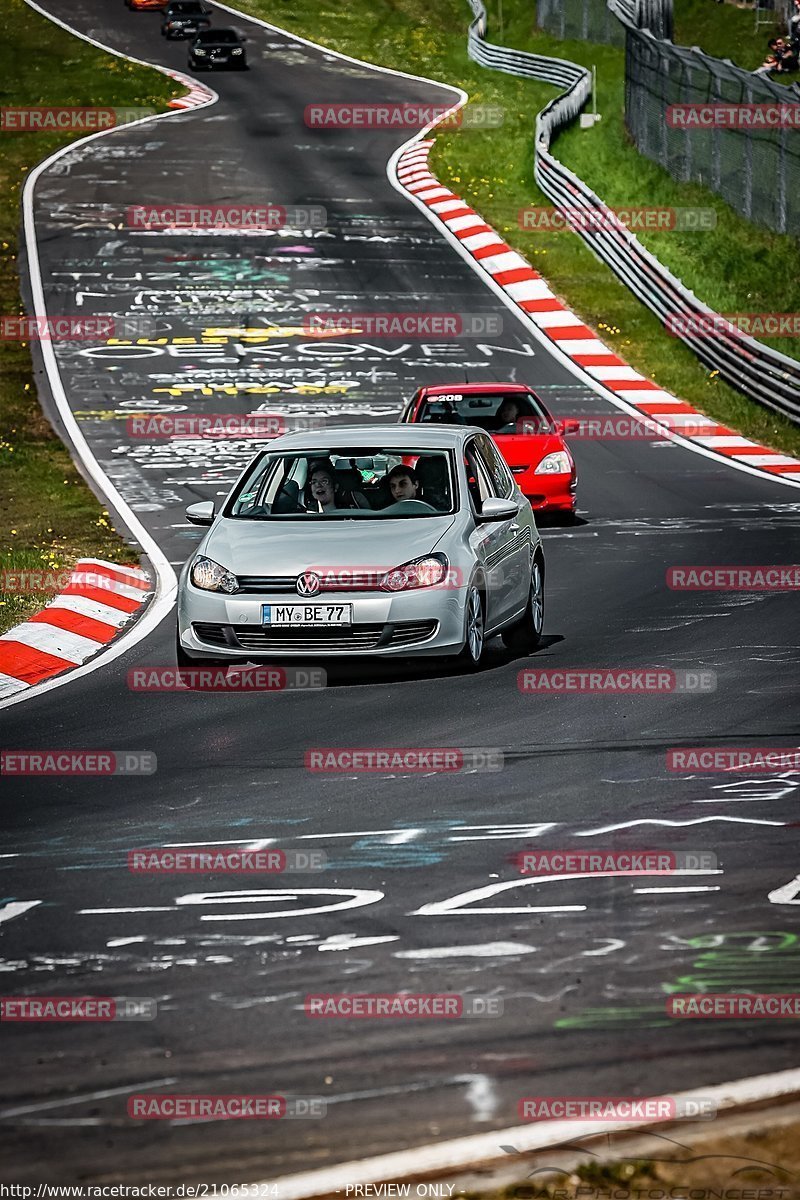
(475, 630)
(526, 634)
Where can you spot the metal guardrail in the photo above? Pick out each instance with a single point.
(758, 371)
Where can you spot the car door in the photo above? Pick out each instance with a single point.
(519, 544)
(491, 542)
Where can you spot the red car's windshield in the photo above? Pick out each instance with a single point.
(496, 412)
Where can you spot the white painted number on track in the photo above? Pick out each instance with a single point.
(788, 894)
(15, 908)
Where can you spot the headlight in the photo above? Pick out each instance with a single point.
(236, 51)
(199, 53)
(554, 464)
(211, 577)
(419, 573)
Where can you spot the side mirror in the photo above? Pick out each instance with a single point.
(568, 426)
(201, 513)
(495, 509)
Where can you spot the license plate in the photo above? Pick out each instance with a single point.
(307, 615)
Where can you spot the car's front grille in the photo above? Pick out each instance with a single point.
(356, 637)
(332, 580)
(254, 584)
(406, 633)
(214, 635)
(262, 638)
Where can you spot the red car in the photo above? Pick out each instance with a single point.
(529, 438)
(146, 5)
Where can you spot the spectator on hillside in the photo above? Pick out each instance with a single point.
(782, 58)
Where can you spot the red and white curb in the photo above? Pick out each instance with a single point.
(99, 599)
(197, 96)
(530, 293)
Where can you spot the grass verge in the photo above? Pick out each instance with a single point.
(727, 31)
(48, 516)
(755, 1161)
(734, 268)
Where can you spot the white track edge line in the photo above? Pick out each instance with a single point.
(463, 1153)
(166, 583)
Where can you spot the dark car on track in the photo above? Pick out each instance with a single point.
(184, 18)
(218, 48)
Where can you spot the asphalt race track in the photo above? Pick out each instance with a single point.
(584, 972)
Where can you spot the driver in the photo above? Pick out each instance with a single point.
(509, 412)
(404, 483)
(323, 490)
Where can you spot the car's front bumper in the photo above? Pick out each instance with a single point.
(185, 31)
(548, 493)
(220, 63)
(429, 621)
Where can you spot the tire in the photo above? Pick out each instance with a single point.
(475, 639)
(526, 634)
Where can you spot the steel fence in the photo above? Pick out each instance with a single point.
(596, 21)
(755, 168)
(580, 20)
(756, 370)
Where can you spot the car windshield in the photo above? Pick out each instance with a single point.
(496, 412)
(186, 8)
(218, 36)
(343, 484)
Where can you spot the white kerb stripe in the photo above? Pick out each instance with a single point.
(508, 261)
(444, 206)
(680, 421)
(721, 439)
(105, 584)
(52, 640)
(457, 223)
(612, 372)
(9, 685)
(586, 346)
(478, 240)
(547, 320)
(134, 572)
(529, 289)
(654, 396)
(433, 192)
(92, 608)
(766, 460)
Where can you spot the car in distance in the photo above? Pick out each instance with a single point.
(184, 18)
(146, 5)
(217, 48)
(530, 440)
(365, 540)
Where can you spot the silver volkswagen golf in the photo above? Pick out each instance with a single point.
(389, 540)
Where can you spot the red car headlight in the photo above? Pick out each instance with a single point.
(558, 463)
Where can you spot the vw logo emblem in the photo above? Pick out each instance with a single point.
(308, 584)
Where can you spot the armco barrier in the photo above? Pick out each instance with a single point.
(758, 371)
